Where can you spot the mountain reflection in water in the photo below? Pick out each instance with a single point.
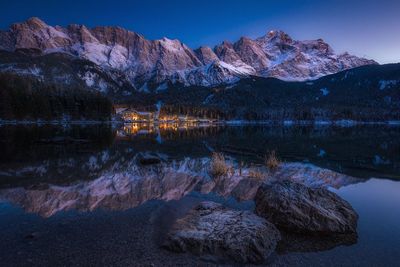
(136, 184)
(61, 155)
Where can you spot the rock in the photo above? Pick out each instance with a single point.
(210, 229)
(297, 208)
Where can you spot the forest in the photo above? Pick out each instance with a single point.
(24, 98)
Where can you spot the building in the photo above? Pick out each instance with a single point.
(131, 115)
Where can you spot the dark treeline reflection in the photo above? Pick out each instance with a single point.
(34, 154)
(59, 154)
(37, 142)
(360, 151)
(363, 151)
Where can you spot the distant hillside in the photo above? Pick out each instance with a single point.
(63, 69)
(370, 93)
(26, 98)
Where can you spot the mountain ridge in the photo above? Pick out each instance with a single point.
(151, 65)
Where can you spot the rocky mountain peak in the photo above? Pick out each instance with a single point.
(319, 46)
(227, 53)
(84, 35)
(251, 53)
(32, 24)
(114, 35)
(206, 55)
(278, 36)
(171, 44)
(227, 44)
(244, 41)
(35, 23)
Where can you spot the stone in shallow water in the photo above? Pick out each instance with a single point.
(295, 207)
(211, 229)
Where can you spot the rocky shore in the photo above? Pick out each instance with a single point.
(309, 218)
(308, 215)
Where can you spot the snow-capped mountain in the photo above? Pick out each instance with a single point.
(153, 64)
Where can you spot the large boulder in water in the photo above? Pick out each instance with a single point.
(297, 208)
(210, 229)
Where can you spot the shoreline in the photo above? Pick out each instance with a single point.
(341, 123)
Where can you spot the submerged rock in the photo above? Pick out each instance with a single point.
(210, 229)
(297, 208)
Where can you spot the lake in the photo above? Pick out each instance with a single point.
(44, 167)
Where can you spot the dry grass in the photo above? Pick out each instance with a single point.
(218, 165)
(272, 161)
(256, 174)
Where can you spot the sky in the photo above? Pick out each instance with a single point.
(365, 28)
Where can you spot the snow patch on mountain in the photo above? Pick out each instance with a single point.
(383, 84)
(324, 91)
(208, 99)
(162, 87)
(144, 88)
(239, 68)
(93, 80)
(29, 71)
(89, 78)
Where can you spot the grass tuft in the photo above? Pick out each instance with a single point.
(272, 161)
(218, 165)
(256, 174)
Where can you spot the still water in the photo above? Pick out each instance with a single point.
(42, 166)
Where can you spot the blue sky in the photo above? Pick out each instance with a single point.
(365, 28)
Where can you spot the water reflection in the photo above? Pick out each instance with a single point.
(363, 151)
(48, 169)
(112, 192)
(130, 129)
(305, 243)
(129, 184)
(61, 155)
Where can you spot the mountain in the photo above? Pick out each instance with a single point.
(136, 63)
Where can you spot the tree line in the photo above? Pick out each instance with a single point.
(25, 98)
